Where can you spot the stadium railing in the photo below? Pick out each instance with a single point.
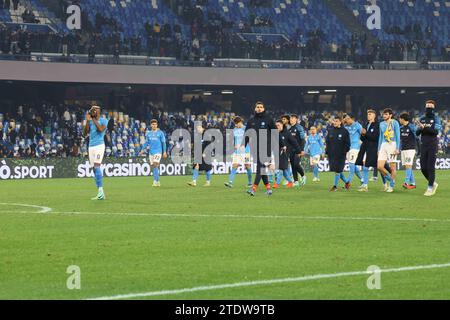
(223, 63)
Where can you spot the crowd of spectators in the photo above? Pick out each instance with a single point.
(50, 130)
(211, 36)
(9, 4)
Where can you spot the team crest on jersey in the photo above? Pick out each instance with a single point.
(340, 136)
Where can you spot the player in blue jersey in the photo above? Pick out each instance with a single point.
(389, 147)
(155, 144)
(241, 154)
(354, 129)
(315, 148)
(96, 128)
(409, 143)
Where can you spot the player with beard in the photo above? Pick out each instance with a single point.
(261, 123)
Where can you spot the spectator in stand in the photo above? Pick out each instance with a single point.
(16, 4)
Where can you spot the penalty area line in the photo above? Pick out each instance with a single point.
(42, 208)
(267, 282)
(236, 216)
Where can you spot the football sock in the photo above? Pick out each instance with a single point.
(316, 171)
(411, 177)
(352, 171)
(336, 179)
(366, 175)
(233, 174)
(195, 175)
(392, 183)
(249, 175)
(155, 174)
(287, 176)
(358, 172)
(278, 176)
(98, 177)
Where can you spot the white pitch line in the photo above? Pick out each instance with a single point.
(43, 209)
(235, 216)
(266, 282)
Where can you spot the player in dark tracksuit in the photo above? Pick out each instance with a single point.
(368, 153)
(298, 132)
(428, 128)
(409, 142)
(288, 145)
(260, 122)
(204, 165)
(337, 146)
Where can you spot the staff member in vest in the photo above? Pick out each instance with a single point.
(428, 127)
(96, 128)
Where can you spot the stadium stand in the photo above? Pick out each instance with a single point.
(47, 130)
(245, 29)
(415, 25)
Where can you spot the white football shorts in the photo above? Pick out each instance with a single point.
(408, 157)
(352, 155)
(155, 158)
(387, 152)
(314, 160)
(96, 154)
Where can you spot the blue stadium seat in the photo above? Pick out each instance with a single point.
(427, 13)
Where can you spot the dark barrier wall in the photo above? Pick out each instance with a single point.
(17, 169)
(126, 74)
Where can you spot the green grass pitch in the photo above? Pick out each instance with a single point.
(143, 239)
